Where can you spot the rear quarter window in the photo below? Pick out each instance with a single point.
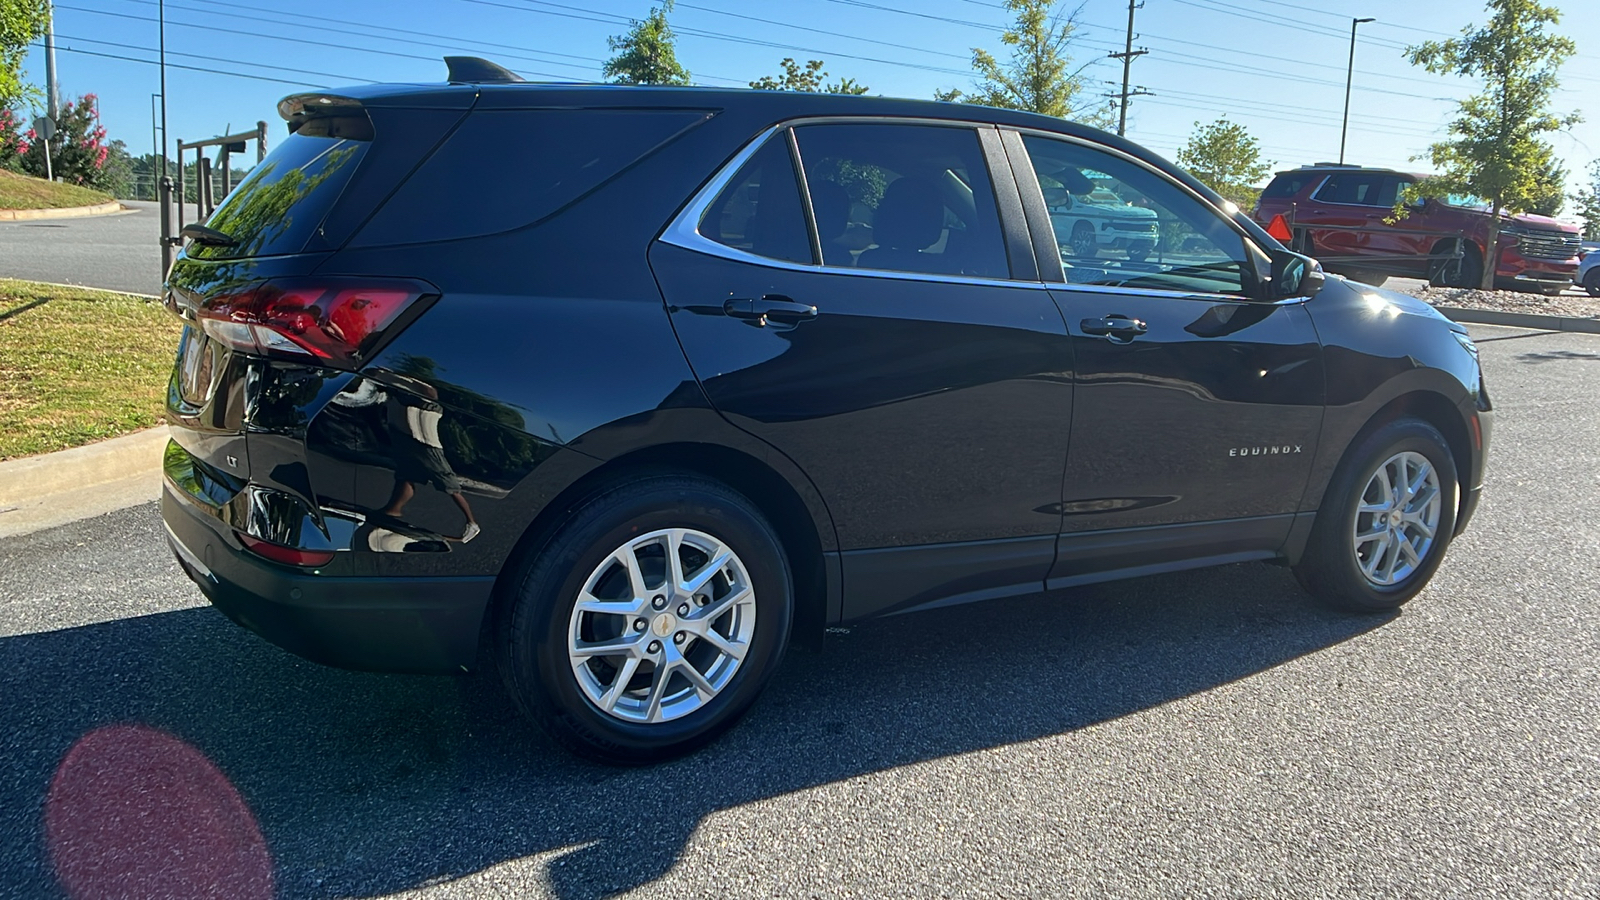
(504, 169)
(1285, 186)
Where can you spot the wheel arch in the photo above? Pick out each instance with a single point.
(1432, 407)
(802, 535)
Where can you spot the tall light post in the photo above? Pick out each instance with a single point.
(155, 147)
(1349, 75)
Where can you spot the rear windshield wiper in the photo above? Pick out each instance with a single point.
(207, 236)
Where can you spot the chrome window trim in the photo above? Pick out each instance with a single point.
(684, 229)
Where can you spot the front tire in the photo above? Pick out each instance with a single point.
(1591, 282)
(1084, 243)
(1385, 522)
(648, 624)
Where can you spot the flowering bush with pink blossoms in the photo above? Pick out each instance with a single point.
(12, 143)
(77, 152)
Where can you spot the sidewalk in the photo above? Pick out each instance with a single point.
(38, 492)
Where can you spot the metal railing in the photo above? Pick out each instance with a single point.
(205, 198)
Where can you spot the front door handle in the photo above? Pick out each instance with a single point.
(773, 309)
(1114, 326)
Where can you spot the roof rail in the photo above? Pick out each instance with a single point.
(475, 70)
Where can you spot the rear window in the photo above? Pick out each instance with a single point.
(1287, 185)
(286, 196)
(503, 169)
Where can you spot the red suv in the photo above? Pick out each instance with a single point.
(1337, 214)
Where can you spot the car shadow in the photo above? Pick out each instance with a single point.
(366, 784)
(1546, 356)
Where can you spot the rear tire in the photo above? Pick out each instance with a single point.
(1591, 282)
(1466, 272)
(650, 666)
(1376, 543)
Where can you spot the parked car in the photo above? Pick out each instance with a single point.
(1339, 214)
(1095, 218)
(1589, 268)
(715, 370)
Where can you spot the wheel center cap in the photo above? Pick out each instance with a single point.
(1396, 517)
(664, 624)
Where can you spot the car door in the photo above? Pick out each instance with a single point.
(1198, 406)
(884, 327)
(1349, 201)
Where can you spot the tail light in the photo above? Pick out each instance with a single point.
(289, 556)
(337, 322)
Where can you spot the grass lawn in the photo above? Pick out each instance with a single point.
(23, 192)
(79, 365)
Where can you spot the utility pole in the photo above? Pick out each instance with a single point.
(52, 100)
(1349, 75)
(1127, 55)
(164, 186)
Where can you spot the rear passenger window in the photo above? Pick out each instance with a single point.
(1353, 188)
(905, 198)
(759, 211)
(503, 169)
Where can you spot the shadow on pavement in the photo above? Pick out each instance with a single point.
(365, 784)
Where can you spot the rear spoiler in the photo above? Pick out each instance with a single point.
(336, 116)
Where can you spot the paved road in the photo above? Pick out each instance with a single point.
(119, 252)
(1211, 734)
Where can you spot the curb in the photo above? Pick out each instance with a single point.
(1520, 320)
(33, 477)
(66, 212)
(84, 287)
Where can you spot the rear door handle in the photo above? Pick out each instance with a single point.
(771, 308)
(1114, 326)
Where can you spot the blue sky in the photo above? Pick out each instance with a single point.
(1276, 67)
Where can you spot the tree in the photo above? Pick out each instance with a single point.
(1494, 151)
(1227, 159)
(646, 54)
(21, 21)
(1036, 77)
(1588, 200)
(807, 80)
(1549, 192)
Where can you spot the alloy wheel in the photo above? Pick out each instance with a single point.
(661, 625)
(1397, 518)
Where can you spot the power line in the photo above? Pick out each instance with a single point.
(200, 56)
(171, 65)
(435, 42)
(275, 37)
(853, 37)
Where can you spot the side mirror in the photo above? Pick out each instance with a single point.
(1294, 275)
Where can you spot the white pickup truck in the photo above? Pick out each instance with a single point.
(1087, 223)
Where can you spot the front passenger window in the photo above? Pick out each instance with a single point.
(1119, 224)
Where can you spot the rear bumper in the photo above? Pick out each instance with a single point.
(426, 625)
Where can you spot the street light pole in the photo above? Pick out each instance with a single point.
(155, 145)
(1348, 77)
(164, 186)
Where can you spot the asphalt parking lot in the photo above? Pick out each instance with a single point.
(1210, 734)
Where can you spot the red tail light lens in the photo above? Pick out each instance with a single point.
(289, 556)
(338, 322)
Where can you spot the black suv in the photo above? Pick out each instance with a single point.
(622, 389)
